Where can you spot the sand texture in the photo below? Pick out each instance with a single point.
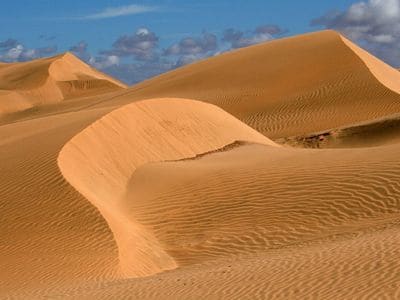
(269, 172)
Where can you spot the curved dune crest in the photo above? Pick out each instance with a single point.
(50, 80)
(387, 75)
(100, 161)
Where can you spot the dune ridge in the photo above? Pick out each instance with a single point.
(386, 74)
(273, 88)
(132, 136)
(50, 80)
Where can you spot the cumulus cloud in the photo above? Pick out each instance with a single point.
(137, 56)
(141, 45)
(374, 23)
(13, 54)
(103, 62)
(132, 58)
(8, 44)
(194, 45)
(13, 51)
(136, 72)
(38, 52)
(240, 39)
(190, 49)
(112, 12)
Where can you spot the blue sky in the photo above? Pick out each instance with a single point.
(151, 37)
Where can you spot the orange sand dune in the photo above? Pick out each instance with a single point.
(49, 80)
(100, 161)
(260, 222)
(105, 197)
(288, 87)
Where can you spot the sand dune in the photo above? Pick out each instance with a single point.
(100, 161)
(50, 80)
(315, 224)
(173, 198)
(288, 87)
(50, 234)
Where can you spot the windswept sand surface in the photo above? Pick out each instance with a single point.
(288, 87)
(100, 161)
(137, 194)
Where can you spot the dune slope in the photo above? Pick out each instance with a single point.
(317, 223)
(256, 222)
(100, 161)
(50, 80)
(51, 235)
(288, 87)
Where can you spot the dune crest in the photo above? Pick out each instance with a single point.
(100, 161)
(287, 87)
(44, 81)
(388, 76)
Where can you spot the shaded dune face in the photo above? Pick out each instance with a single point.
(255, 198)
(372, 133)
(50, 80)
(288, 87)
(169, 206)
(100, 161)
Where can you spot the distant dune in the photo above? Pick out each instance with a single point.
(50, 80)
(288, 87)
(199, 183)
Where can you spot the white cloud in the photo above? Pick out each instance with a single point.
(104, 62)
(143, 31)
(374, 23)
(14, 53)
(112, 12)
(20, 53)
(141, 45)
(239, 39)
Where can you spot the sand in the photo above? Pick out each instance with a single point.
(100, 161)
(26, 85)
(288, 87)
(146, 193)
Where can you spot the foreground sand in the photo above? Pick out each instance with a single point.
(177, 199)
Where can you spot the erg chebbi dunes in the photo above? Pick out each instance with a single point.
(266, 172)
